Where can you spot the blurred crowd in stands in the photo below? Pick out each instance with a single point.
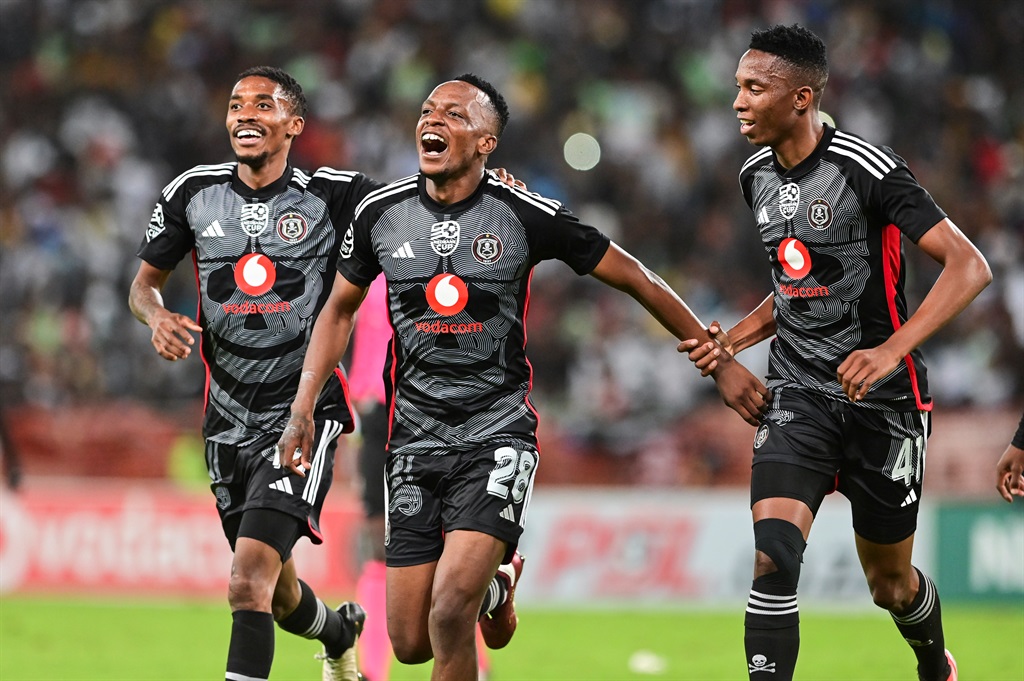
(106, 101)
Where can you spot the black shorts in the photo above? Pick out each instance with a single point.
(245, 478)
(875, 458)
(374, 429)
(486, 490)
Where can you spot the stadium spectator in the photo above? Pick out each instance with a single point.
(850, 403)
(1010, 468)
(457, 250)
(93, 139)
(264, 237)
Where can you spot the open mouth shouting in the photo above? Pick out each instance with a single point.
(432, 145)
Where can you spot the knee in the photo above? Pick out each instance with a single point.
(780, 548)
(450, 614)
(410, 647)
(890, 591)
(248, 593)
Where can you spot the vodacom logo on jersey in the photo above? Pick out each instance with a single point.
(795, 258)
(447, 294)
(255, 274)
(796, 262)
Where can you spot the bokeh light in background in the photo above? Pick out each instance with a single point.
(582, 151)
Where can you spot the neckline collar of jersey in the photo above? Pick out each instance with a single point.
(452, 208)
(805, 166)
(272, 189)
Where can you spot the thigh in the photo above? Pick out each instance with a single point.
(409, 590)
(489, 492)
(883, 472)
(802, 429)
(413, 534)
(771, 482)
(277, 530)
(228, 484)
(269, 487)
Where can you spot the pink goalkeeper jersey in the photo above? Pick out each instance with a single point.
(369, 345)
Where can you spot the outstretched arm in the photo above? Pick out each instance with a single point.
(740, 389)
(326, 347)
(171, 336)
(965, 273)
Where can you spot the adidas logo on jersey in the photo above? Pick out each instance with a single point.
(214, 229)
(404, 251)
(911, 498)
(509, 514)
(282, 485)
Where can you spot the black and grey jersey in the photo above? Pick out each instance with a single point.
(458, 287)
(265, 261)
(832, 227)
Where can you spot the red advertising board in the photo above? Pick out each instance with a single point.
(145, 539)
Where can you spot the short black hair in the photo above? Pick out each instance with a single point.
(292, 90)
(498, 104)
(798, 46)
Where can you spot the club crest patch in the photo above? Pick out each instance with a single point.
(444, 237)
(789, 199)
(254, 218)
(819, 214)
(487, 248)
(762, 436)
(223, 497)
(292, 228)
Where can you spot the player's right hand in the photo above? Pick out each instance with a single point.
(171, 337)
(293, 448)
(742, 391)
(1010, 473)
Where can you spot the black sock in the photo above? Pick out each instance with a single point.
(772, 631)
(496, 594)
(921, 627)
(251, 651)
(314, 620)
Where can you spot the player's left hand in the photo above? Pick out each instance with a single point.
(704, 355)
(862, 368)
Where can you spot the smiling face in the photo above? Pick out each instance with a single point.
(768, 105)
(261, 122)
(455, 133)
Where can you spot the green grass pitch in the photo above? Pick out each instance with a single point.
(51, 639)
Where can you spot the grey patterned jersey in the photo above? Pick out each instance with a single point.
(458, 281)
(265, 261)
(832, 227)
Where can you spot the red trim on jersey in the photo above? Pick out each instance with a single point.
(350, 426)
(529, 366)
(891, 236)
